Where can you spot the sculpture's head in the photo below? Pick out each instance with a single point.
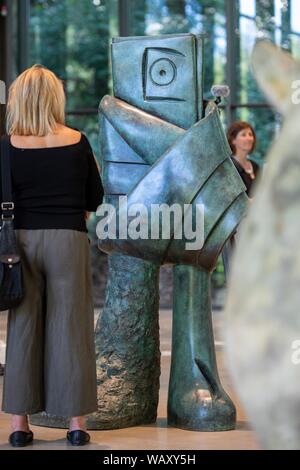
(161, 75)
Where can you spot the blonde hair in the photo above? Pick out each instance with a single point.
(36, 103)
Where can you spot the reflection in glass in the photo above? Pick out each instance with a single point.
(278, 10)
(248, 8)
(295, 16)
(72, 39)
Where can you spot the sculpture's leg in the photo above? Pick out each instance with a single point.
(196, 398)
(127, 346)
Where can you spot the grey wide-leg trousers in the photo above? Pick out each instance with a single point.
(50, 356)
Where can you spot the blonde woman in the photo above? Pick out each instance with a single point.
(50, 361)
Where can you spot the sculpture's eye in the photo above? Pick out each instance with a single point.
(163, 72)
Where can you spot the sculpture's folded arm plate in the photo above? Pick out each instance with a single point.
(153, 162)
(147, 135)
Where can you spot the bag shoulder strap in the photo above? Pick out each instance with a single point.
(7, 205)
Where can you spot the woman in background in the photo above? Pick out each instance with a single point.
(50, 357)
(242, 140)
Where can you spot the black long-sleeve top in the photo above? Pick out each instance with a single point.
(54, 186)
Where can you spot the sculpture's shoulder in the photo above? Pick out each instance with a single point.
(109, 103)
(117, 111)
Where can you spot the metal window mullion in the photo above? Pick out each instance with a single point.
(23, 38)
(231, 12)
(6, 37)
(124, 17)
(9, 52)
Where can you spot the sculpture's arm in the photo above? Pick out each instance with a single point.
(147, 135)
(180, 172)
(155, 162)
(195, 166)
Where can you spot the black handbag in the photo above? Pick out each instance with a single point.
(11, 282)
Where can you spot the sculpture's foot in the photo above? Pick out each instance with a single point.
(202, 412)
(201, 404)
(196, 400)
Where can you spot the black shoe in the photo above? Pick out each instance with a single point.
(20, 438)
(78, 437)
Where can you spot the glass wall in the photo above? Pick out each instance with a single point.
(278, 20)
(294, 39)
(258, 19)
(155, 17)
(72, 38)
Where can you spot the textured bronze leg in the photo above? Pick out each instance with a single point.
(196, 400)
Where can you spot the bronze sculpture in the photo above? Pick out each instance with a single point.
(161, 144)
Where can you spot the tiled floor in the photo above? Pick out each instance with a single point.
(157, 436)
